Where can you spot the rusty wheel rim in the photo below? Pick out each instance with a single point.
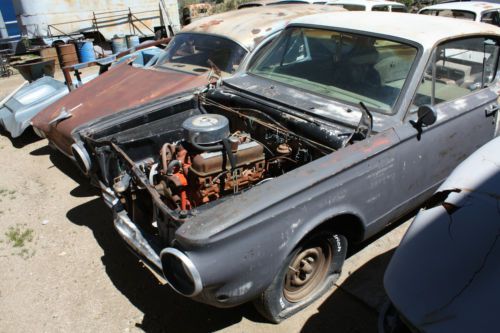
(306, 272)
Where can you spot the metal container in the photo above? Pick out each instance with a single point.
(35, 69)
(50, 53)
(119, 44)
(85, 51)
(132, 41)
(67, 54)
(205, 129)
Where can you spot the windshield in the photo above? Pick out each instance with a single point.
(459, 14)
(347, 67)
(193, 53)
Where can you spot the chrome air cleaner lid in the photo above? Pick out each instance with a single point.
(206, 129)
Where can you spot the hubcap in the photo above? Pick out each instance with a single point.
(306, 272)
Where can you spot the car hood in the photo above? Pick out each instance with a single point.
(444, 275)
(119, 89)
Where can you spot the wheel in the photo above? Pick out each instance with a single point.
(308, 272)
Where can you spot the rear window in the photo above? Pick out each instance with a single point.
(399, 9)
(459, 14)
(380, 8)
(350, 7)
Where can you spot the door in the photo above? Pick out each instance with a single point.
(455, 84)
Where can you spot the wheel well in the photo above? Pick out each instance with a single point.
(348, 225)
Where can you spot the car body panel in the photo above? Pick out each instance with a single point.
(106, 95)
(18, 109)
(444, 275)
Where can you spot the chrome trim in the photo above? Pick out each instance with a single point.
(133, 237)
(109, 197)
(188, 264)
(39, 132)
(83, 156)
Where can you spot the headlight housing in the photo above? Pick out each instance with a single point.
(180, 272)
(82, 158)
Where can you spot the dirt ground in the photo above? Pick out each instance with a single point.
(63, 268)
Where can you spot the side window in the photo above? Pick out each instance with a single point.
(456, 69)
(297, 49)
(399, 9)
(382, 8)
(491, 17)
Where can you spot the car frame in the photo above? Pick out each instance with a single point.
(241, 247)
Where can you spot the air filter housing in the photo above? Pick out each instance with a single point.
(206, 129)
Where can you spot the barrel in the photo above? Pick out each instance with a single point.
(132, 41)
(50, 53)
(119, 44)
(85, 51)
(67, 54)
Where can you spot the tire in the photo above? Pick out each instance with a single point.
(308, 272)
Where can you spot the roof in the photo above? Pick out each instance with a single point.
(248, 26)
(367, 3)
(472, 6)
(423, 29)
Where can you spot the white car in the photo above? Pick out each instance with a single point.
(444, 275)
(367, 5)
(478, 11)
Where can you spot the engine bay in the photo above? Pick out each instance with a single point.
(226, 150)
(214, 159)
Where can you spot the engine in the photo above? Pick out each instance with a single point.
(208, 163)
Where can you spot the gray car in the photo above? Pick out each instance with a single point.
(252, 191)
(444, 275)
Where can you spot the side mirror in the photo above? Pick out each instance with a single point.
(427, 115)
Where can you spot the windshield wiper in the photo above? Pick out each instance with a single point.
(364, 128)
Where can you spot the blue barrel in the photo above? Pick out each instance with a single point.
(132, 41)
(85, 51)
(119, 44)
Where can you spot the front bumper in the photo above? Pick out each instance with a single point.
(133, 236)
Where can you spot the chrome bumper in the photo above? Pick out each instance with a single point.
(132, 235)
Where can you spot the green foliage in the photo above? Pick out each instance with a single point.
(19, 237)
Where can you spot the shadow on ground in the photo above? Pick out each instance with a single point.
(63, 163)
(343, 309)
(164, 310)
(28, 137)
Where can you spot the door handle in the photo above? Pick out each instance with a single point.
(488, 112)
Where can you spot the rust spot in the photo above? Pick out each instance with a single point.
(257, 40)
(211, 23)
(377, 142)
(255, 31)
(281, 14)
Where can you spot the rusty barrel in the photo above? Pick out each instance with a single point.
(50, 53)
(67, 54)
